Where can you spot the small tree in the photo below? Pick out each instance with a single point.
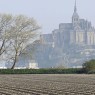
(89, 66)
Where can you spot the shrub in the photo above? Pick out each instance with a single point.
(89, 66)
(91, 72)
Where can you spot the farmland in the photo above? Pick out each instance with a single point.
(47, 84)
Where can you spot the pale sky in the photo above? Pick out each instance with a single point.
(49, 13)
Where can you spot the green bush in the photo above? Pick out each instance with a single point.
(89, 66)
(91, 72)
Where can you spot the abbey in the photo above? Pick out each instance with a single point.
(78, 32)
(73, 43)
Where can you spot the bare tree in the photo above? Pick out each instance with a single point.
(24, 31)
(5, 24)
(16, 33)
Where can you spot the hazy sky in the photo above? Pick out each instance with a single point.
(49, 13)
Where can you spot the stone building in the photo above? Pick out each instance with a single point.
(78, 32)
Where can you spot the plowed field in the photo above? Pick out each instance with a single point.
(49, 84)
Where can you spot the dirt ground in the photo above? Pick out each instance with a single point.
(47, 84)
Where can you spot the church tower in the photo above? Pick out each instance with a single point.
(75, 17)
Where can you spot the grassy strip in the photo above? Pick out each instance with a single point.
(41, 71)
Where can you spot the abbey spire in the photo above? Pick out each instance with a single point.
(75, 8)
(75, 17)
